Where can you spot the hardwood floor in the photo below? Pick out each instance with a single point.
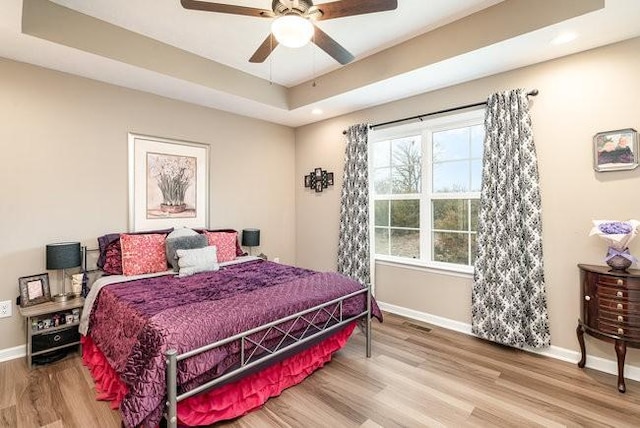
(417, 376)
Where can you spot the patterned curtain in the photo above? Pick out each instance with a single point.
(509, 305)
(353, 244)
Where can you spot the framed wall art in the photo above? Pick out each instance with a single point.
(615, 150)
(34, 289)
(168, 183)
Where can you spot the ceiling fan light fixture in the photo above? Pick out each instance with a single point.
(292, 31)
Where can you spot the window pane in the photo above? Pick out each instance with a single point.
(477, 141)
(382, 153)
(382, 181)
(405, 213)
(450, 214)
(451, 144)
(407, 178)
(406, 151)
(407, 160)
(476, 175)
(381, 213)
(451, 247)
(405, 243)
(475, 207)
(451, 176)
(382, 240)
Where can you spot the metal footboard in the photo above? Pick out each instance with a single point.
(250, 357)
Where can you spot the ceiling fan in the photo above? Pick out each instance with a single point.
(293, 23)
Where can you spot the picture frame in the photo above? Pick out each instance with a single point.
(34, 289)
(168, 183)
(307, 180)
(330, 178)
(615, 150)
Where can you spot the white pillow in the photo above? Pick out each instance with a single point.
(197, 260)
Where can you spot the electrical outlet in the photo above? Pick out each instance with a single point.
(5, 309)
(276, 259)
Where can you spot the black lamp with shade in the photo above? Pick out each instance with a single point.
(250, 238)
(61, 256)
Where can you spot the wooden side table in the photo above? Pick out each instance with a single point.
(44, 334)
(610, 311)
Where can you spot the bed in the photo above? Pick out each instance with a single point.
(216, 344)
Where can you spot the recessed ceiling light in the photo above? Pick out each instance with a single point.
(564, 38)
(316, 111)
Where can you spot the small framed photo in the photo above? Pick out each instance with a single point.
(318, 186)
(307, 180)
(34, 289)
(615, 150)
(318, 172)
(330, 178)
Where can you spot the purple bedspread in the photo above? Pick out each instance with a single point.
(134, 323)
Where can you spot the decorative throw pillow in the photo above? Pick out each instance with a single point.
(113, 258)
(111, 242)
(239, 250)
(197, 260)
(183, 243)
(143, 254)
(225, 242)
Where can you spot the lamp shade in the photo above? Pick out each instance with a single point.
(292, 31)
(251, 237)
(63, 255)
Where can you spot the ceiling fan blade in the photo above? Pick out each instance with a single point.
(226, 8)
(265, 49)
(330, 46)
(338, 9)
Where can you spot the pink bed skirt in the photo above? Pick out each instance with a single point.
(231, 400)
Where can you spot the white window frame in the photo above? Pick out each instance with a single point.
(426, 129)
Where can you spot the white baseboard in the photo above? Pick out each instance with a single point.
(13, 353)
(596, 363)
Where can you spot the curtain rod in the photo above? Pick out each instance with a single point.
(531, 93)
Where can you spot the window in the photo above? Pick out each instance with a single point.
(426, 189)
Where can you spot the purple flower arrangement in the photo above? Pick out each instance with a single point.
(618, 235)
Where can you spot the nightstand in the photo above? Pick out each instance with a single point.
(52, 326)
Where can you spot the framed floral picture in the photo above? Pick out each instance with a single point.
(34, 289)
(168, 183)
(615, 150)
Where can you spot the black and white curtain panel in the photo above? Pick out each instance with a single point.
(509, 303)
(353, 244)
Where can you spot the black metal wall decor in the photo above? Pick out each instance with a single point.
(318, 179)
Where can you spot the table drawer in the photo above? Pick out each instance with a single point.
(619, 330)
(619, 281)
(42, 342)
(619, 306)
(619, 293)
(620, 318)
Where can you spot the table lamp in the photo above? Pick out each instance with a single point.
(61, 256)
(250, 238)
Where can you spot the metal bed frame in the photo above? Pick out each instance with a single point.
(248, 357)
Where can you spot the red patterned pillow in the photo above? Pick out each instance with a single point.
(143, 254)
(225, 243)
(113, 259)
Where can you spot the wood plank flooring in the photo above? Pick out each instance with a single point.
(416, 377)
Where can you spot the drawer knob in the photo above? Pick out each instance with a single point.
(619, 282)
(620, 306)
(620, 318)
(620, 331)
(619, 294)
(587, 298)
(57, 338)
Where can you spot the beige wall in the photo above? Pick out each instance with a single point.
(63, 143)
(579, 96)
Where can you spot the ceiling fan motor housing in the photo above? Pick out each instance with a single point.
(303, 8)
